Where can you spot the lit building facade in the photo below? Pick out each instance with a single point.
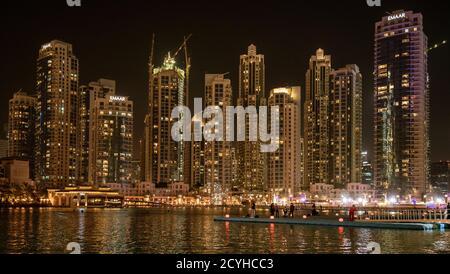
(88, 94)
(111, 140)
(218, 173)
(165, 161)
(284, 178)
(136, 171)
(56, 148)
(317, 120)
(21, 128)
(15, 170)
(401, 99)
(197, 158)
(3, 148)
(252, 162)
(367, 169)
(235, 185)
(345, 126)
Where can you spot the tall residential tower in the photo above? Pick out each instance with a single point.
(317, 120)
(401, 104)
(57, 156)
(253, 165)
(345, 126)
(111, 140)
(21, 128)
(88, 95)
(218, 161)
(284, 165)
(165, 160)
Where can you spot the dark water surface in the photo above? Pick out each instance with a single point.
(189, 230)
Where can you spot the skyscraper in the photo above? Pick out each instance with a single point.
(218, 173)
(111, 140)
(284, 164)
(345, 126)
(165, 161)
(317, 121)
(401, 104)
(253, 165)
(21, 128)
(57, 155)
(88, 95)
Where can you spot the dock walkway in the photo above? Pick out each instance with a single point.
(336, 223)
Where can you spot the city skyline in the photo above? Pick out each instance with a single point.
(74, 122)
(281, 71)
(238, 127)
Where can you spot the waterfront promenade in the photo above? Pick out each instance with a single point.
(340, 222)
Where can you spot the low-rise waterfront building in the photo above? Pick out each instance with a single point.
(139, 189)
(354, 192)
(15, 171)
(85, 196)
(149, 188)
(360, 193)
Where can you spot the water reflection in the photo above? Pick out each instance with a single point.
(190, 230)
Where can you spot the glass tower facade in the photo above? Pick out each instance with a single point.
(401, 104)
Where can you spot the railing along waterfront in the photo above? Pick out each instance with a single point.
(384, 213)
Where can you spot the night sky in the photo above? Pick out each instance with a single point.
(112, 40)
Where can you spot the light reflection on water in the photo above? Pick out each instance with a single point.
(190, 230)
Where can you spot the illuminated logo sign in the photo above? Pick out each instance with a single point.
(117, 99)
(396, 16)
(46, 46)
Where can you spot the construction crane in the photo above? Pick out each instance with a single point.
(152, 45)
(151, 66)
(438, 45)
(187, 61)
(183, 45)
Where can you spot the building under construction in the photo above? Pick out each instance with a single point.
(166, 160)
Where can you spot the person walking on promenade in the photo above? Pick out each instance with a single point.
(272, 210)
(277, 211)
(291, 210)
(314, 210)
(352, 213)
(253, 211)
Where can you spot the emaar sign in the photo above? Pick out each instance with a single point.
(396, 16)
(117, 98)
